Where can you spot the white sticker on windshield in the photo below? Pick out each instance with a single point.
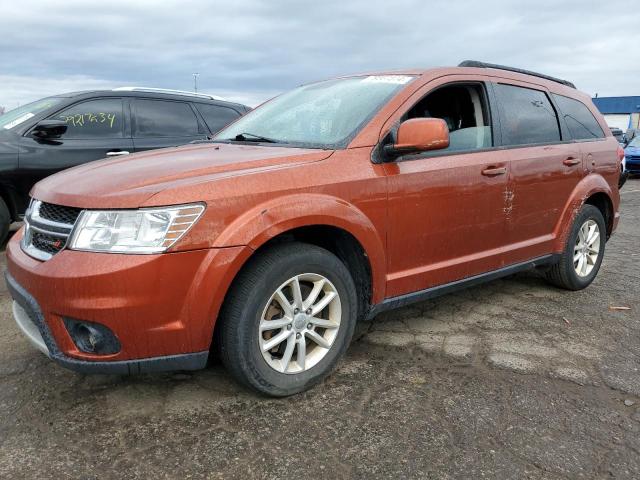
(19, 120)
(395, 79)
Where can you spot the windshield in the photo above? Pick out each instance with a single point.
(635, 142)
(322, 115)
(19, 115)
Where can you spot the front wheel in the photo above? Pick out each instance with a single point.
(288, 319)
(581, 259)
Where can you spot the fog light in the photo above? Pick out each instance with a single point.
(92, 337)
(89, 338)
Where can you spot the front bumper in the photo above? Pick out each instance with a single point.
(633, 166)
(28, 326)
(162, 308)
(30, 320)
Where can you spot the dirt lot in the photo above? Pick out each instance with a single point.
(513, 379)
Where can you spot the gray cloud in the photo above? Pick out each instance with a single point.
(249, 50)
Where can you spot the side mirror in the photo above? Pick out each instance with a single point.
(47, 129)
(419, 135)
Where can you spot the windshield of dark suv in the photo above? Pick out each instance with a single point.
(19, 115)
(321, 115)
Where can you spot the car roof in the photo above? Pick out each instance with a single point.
(472, 67)
(153, 93)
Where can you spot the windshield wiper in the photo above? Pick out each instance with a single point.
(252, 137)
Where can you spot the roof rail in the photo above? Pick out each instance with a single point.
(167, 90)
(476, 64)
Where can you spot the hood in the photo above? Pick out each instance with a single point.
(635, 151)
(127, 182)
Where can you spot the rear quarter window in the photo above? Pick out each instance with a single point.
(526, 116)
(579, 119)
(216, 117)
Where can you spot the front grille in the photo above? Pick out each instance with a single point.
(59, 213)
(47, 243)
(633, 158)
(47, 228)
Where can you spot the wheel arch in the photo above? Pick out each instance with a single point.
(321, 220)
(593, 190)
(336, 240)
(603, 202)
(343, 245)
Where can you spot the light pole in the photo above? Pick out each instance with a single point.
(195, 81)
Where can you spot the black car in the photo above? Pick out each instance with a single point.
(618, 133)
(43, 137)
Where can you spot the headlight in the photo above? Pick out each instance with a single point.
(148, 230)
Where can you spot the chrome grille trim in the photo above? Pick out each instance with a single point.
(48, 231)
(53, 226)
(35, 223)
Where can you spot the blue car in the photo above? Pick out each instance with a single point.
(632, 154)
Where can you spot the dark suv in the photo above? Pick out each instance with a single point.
(43, 137)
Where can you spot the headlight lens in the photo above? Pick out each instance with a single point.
(151, 230)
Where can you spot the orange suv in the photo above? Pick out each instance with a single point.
(326, 205)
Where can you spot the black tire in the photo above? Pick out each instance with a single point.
(237, 334)
(624, 176)
(5, 222)
(563, 273)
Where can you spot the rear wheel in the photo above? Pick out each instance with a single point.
(288, 319)
(5, 221)
(581, 259)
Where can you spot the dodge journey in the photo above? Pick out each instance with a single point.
(323, 207)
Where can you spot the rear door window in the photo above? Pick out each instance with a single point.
(100, 118)
(581, 122)
(526, 116)
(216, 116)
(160, 118)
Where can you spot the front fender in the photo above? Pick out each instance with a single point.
(269, 219)
(588, 186)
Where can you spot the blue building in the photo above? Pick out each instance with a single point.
(620, 112)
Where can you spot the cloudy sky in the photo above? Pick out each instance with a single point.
(250, 50)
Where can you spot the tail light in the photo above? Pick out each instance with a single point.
(620, 153)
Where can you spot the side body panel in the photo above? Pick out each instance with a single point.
(9, 187)
(446, 218)
(541, 179)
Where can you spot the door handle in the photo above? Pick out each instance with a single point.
(571, 161)
(117, 153)
(494, 171)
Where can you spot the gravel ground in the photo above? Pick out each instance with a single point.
(513, 379)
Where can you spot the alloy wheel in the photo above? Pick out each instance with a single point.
(587, 248)
(300, 323)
